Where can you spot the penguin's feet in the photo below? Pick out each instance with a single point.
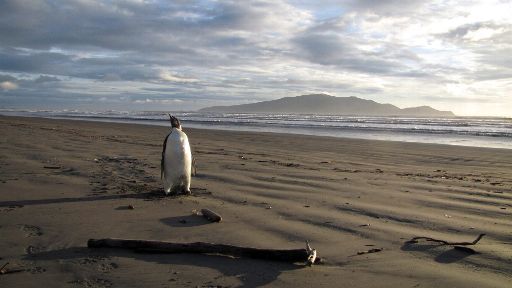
(187, 192)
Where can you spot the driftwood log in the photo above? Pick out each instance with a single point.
(306, 255)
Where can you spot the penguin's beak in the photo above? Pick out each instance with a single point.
(175, 123)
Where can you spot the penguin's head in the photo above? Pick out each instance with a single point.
(175, 123)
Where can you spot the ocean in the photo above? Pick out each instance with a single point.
(466, 131)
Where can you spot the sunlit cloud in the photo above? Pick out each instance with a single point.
(8, 85)
(158, 101)
(168, 76)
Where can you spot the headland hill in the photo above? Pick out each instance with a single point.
(329, 105)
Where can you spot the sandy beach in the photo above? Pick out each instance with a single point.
(63, 182)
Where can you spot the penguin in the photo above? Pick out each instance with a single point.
(176, 163)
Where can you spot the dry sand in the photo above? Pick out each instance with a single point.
(63, 182)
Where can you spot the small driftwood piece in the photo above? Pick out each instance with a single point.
(210, 215)
(374, 250)
(311, 255)
(4, 270)
(443, 242)
(306, 255)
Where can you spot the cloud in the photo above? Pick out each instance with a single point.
(158, 101)
(8, 85)
(337, 43)
(388, 7)
(164, 27)
(5, 77)
(476, 31)
(21, 60)
(168, 76)
(338, 51)
(203, 51)
(44, 79)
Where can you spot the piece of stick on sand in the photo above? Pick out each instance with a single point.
(4, 270)
(461, 246)
(444, 242)
(307, 255)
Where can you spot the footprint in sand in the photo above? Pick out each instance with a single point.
(107, 267)
(98, 282)
(10, 208)
(92, 260)
(31, 230)
(36, 270)
(99, 263)
(31, 250)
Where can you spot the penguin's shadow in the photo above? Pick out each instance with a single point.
(153, 195)
(251, 272)
(185, 221)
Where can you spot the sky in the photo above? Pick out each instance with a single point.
(185, 54)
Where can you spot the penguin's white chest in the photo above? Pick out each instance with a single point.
(177, 162)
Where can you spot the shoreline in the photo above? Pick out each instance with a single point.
(141, 123)
(63, 182)
(486, 137)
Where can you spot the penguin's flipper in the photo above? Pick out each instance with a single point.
(162, 161)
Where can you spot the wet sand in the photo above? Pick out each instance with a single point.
(63, 182)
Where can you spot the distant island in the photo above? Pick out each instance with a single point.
(329, 105)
